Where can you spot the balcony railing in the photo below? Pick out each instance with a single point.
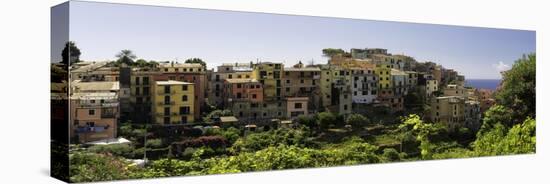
(91, 129)
(105, 104)
(108, 115)
(162, 92)
(166, 115)
(166, 103)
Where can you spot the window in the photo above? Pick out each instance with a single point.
(254, 96)
(288, 81)
(167, 111)
(146, 90)
(166, 120)
(166, 99)
(184, 98)
(184, 110)
(137, 80)
(239, 95)
(302, 81)
(166, 89)
(91, 112)
(145, 80)
(345, 107)
(298, 105)
(92, 101)
(239, 85)
(137, 91)
(230, 76)
(184, 87)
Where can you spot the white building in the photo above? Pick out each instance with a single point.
(364, 86)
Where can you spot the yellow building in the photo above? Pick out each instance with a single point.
(448, 110)
(270, 75)
(141, 81)
(173, 102)
(384, 76)
(336, 89)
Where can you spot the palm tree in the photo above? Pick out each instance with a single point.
(126, 56)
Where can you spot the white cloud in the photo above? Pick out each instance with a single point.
(501, 66)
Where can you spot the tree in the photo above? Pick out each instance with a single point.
(70, 54)
(517, 90)
(519, 139)
(357, 120)
(325, 119)
(308, 121)
(126, 57)
(497, 114)
(330, 52)
(196, 60)
(413, 100)
(422, 131)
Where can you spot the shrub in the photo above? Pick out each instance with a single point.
(357, 120)
(391, 154)
(88, 167)
(153, 143)
(308, 121)
(325, 119)
(123, 150)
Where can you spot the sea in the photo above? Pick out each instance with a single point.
(491, 84)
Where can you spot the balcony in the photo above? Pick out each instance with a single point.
(108, 115)
(91, 129)
(166, 103)
(162, 92)
(167, 115)
(105, 104)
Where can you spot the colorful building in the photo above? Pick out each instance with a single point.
(94, 110)
(448, 110)
(365, 85)
(245, 98)
(141, 82)
(296, 106)
(303, 82)
(336, 89)
(187, 72)
(271, 76)
(226, 71)
(173, 102)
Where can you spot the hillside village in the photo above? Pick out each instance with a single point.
(268, 94)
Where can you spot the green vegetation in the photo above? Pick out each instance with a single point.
(518, 88)
(70, 53)
(330, 52)
(126, 57)
(196, 60)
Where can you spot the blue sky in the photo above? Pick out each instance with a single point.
(100, 30)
